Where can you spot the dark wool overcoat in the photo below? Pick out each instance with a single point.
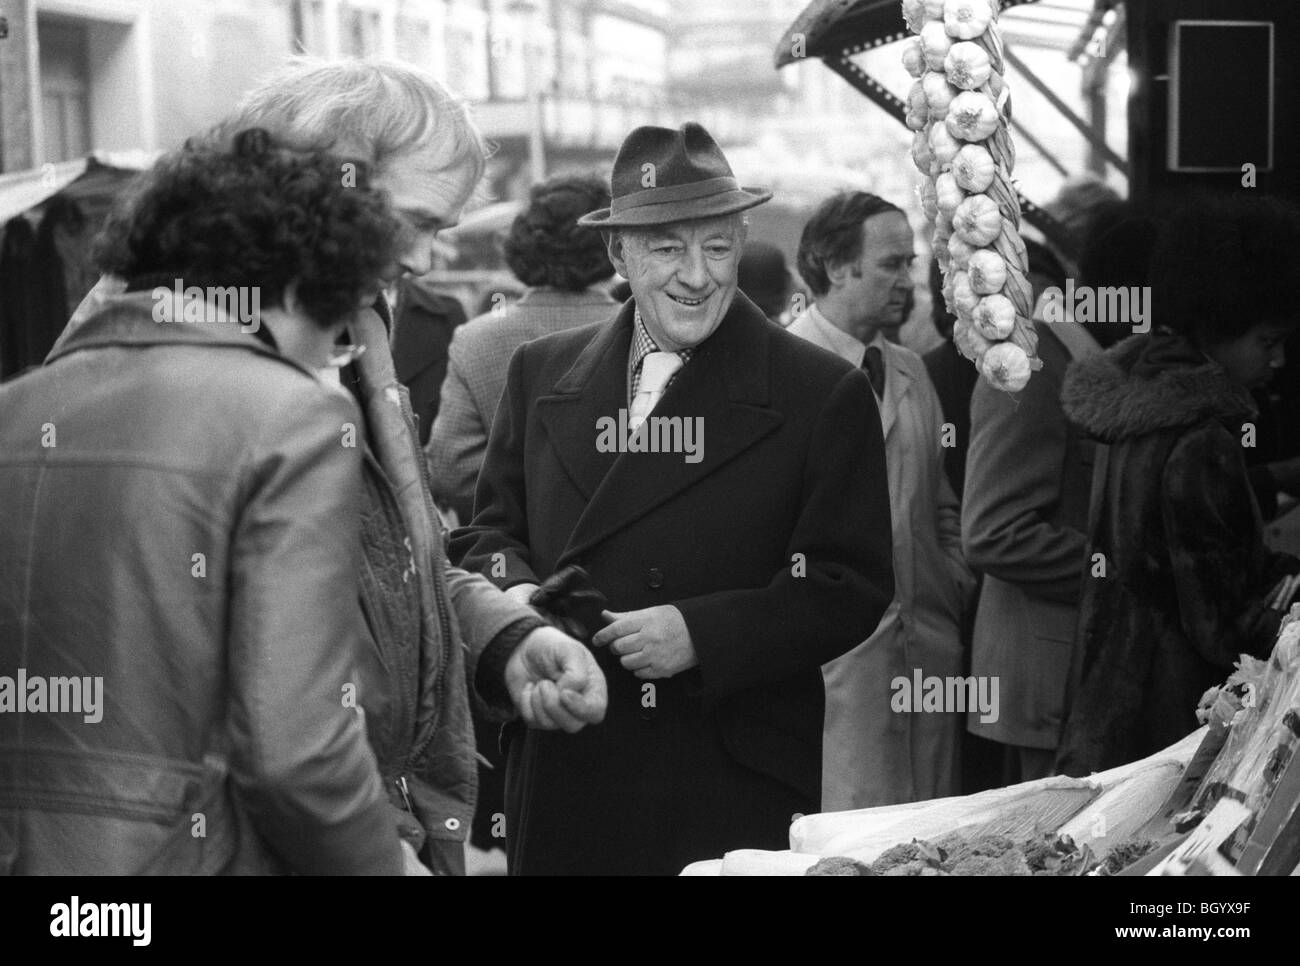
(1180, 590)
(775, 547)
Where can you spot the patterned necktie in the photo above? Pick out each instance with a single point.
(875, 366)
(656, 369)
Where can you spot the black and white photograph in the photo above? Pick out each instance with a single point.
(656, 438)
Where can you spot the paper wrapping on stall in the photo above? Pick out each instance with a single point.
(1109, 806)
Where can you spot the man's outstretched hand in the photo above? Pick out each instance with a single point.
(555, 683)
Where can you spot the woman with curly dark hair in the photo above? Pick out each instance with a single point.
(1177, 581)
(177, 481)
(562, 264)
(299, 236)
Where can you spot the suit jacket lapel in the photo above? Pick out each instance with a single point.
(725, 386)
(898, 382)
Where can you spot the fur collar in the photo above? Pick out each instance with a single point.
(1146, 384)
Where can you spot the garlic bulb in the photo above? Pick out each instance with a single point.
(918, 108)
(929, 200)
(935, 44)
(943, 146)
(977, 220)
(922, 156)
(968, 340)
(973, 167)
(914, 58)
(988, 272)
(938, 94)
(948, 196)
(1006, 366)
(972, 116)
(967, 65)
(964, 298)
(942, 229)
(960, 251)
(965, 19)
(994, 316)
(915, 15)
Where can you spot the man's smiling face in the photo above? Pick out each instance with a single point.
(683, 275)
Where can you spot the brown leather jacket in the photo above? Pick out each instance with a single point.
(171, 527)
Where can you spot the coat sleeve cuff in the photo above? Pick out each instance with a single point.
(490, 678)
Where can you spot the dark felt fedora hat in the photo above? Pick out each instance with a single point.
(662, 176)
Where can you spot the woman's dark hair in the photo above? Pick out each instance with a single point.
(251, 214)
(545, 245)
(1223, 265)
(1118, 240)
(833, 235)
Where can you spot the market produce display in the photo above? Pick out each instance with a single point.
(960, 855)
(959, 109)
(1237, 772)
(1261, 703)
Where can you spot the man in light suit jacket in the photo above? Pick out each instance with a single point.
(735, 566)
(881, 746)
(563, 265)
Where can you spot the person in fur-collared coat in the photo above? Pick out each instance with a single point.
(1183, 583)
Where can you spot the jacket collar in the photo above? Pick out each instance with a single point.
(1146, 384)
(128, 320)
(726, 384)
(547, 296)
(899, 378)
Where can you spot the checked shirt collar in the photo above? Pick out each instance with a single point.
(642, 346)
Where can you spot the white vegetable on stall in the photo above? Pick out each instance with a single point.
(947, 195)
(972, 116)
(938, 94)
(1124, 809)
(995, 317)
(935, 44)
(973, 167)
(943, 146)
(1006, 366)
(966, 18)
(977, 221)
(967, 66)
(961, 104)
(988, 273)
(914, 57)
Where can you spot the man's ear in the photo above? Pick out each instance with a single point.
(614, 246)
(836, 274)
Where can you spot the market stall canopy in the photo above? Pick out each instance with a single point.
(836, 30)
(99, 173)
(832, 28)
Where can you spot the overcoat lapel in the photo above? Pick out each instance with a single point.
(594, 386)
(897, 385)
(725, 385)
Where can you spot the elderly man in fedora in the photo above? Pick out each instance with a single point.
(736, 562)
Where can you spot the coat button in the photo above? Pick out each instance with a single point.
(655, 578)
(452, 824)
